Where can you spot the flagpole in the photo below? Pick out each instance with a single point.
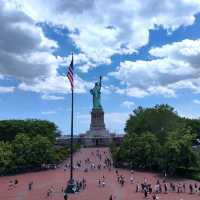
(71, 187)
(72, 133)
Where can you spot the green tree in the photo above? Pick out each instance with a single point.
(157, 138)
(140, 151)
(42, 151)
(22, 147)
(28, 150)
(194, 125)
(158, 120)
(32, 127)
(6, 157)
(149, 149)
(178, 151)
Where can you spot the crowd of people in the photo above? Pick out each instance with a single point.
(160, 187)
(13, 184)
(148, 189)
(88, 164)
(100, 160)
(166, 187)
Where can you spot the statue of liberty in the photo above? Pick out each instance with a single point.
(96, 93)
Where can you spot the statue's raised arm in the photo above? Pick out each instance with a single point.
(100, 78)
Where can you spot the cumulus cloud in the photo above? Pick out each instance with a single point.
(4, 89)
(187, 52)
(27, 55)
(192, 84)
(50, 112)
(116, 117)
(100, 31)
(196, 101)
(51, 97)
(162, 90)
(175, 66)
(160, 71)
(128, 104)
(56, 84)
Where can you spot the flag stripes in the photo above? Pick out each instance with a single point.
(70, 74)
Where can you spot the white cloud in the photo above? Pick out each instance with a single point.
(100, 31)
(178, 49)
(28, 55)
(84, 62)
(196, 101)
(177, 67)
(4, 89)
(51, 97)
(25, 52)
(116, 119)
(50, 112)
(135, 92)
(161, 90)
(192, 84)
(131, 91)
(155, 72)
(56, 84)
(186, 51)
(128, 104)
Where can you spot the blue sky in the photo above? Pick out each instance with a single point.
(147, 54)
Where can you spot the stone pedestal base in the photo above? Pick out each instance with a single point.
(97, 135)
(97, 120)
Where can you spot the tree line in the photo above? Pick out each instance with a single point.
(26, 145)
(159, 139)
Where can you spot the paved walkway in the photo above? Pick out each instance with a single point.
(57, 178)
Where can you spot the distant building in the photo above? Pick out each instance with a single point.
(90, 141)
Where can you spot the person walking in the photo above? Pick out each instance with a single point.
(191, 188)
(65, 196)
(165, 187)
(145, 192)
(103, 183)
(157, 197)
(48, 192)
(131, 180)
(30, 186)
(184, 187)
(11, 185)
(137, 187)
(99, 182)
(199, 190)
(16, 182)
(154, 196)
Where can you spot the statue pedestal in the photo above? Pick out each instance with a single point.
(97, 135)
(97, 120)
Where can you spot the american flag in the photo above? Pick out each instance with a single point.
(70, 74)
